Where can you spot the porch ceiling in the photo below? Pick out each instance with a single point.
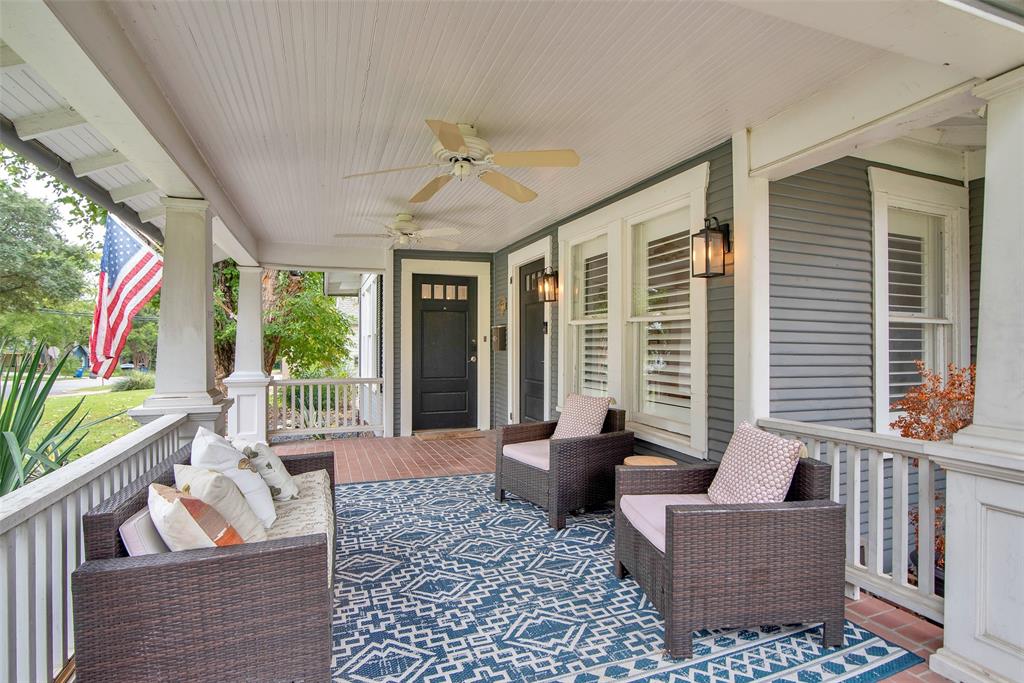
(283, 99)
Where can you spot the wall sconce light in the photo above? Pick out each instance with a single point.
(547, 285)
(708, 249)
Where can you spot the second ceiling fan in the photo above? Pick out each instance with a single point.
(463, 154)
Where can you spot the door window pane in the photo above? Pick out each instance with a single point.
(425, 291)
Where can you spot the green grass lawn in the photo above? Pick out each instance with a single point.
(98, 405)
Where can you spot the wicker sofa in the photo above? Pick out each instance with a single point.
(251, 612)
(581, 470)
(736, 565)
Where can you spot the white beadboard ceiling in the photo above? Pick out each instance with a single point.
(284, 98)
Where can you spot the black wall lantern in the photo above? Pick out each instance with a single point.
(708, 249)
(547, 285)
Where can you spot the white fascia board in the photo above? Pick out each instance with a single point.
(916, 156)
(886, 99)
(126, 192)
(98, 162)
(80, 49)
(38, 37)
(32, 126)
(944, 33)
(152, 214)
(290, 255)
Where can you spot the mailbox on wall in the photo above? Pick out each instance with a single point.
(499, 338)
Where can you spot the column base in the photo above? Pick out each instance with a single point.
(212, 416)
(957, 668)
(247, 417)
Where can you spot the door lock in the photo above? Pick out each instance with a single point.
(472, 359)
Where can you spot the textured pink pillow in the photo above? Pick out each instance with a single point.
(581, 416)
(757, 468)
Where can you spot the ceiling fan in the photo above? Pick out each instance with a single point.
(463, 153)
(404, 232)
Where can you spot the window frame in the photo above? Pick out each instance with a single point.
(894, 190)
(616, 220)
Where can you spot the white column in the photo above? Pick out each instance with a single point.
(749, 237)
(184, 355)
(984, 610)
(247, 385)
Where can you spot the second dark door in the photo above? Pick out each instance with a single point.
(531, 343)
(444, 352)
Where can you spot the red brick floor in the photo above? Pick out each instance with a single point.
(372, 459)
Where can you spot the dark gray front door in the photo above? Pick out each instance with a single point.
(444, 352)
(531, 343)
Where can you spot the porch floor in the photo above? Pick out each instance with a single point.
(376, 459)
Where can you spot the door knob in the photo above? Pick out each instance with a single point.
(472, 359)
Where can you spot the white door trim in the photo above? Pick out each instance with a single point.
(481, 270)
(517, 259)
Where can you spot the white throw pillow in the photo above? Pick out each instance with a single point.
(581, 416)
(270, 467)
(214, 452)
(216, 490)
(187, 523)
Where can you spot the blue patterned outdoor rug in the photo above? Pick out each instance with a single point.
(436, 581)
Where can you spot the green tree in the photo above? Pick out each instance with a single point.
(38, 267)
(300, 324)
(83, 213)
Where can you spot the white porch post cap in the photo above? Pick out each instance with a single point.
(185, 204)
(1000, 85)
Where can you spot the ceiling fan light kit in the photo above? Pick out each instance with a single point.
(404, 232)
(459, 148)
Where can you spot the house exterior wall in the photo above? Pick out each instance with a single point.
(720, 303)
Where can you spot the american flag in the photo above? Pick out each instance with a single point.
(129, 277)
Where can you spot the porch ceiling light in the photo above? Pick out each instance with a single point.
(547, 285)
(708, 249)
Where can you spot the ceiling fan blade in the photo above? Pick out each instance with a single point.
(539, 157)
(502, 183)
(449, 135)
(441, 244)
(438, 232)
(391, 170)
(430, 189)
(355, 235)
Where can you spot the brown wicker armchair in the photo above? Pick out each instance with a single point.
(736, 565)
(252, 612)
(580, 472)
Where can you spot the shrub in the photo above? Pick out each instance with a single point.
(935, 410)
(133, 381)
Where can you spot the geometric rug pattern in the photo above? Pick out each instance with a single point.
(435, 581)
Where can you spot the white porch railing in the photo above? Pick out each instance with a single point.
(325, 406)
(882, 479)
(41, 544)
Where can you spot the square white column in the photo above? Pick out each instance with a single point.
(247, 385)
(184, 355)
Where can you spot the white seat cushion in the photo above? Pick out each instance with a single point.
(647, 513)
(533, 453)
(140, 536)
(312, 512)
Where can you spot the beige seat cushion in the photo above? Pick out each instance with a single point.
(647, 513)
(311, 513)
(757, 468)
(140, 536)
(533, 453)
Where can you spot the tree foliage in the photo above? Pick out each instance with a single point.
(38, 267)
(300, 324)
(83, 213)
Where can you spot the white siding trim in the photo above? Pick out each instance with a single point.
(891, 189)
(481, 270)
(518, 258)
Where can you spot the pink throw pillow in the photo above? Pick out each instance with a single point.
(757, 468)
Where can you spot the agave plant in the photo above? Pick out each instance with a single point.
(23, 391)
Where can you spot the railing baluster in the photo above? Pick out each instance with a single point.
(853, 459)
(926, 527)
(900, 518)
(876, 512)
(835, 459)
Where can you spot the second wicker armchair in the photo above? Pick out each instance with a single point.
(560, 475)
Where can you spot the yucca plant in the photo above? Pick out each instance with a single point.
(23, 391)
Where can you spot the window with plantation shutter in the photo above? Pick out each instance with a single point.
(918, 324)
(590, 317)
(661, 321)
